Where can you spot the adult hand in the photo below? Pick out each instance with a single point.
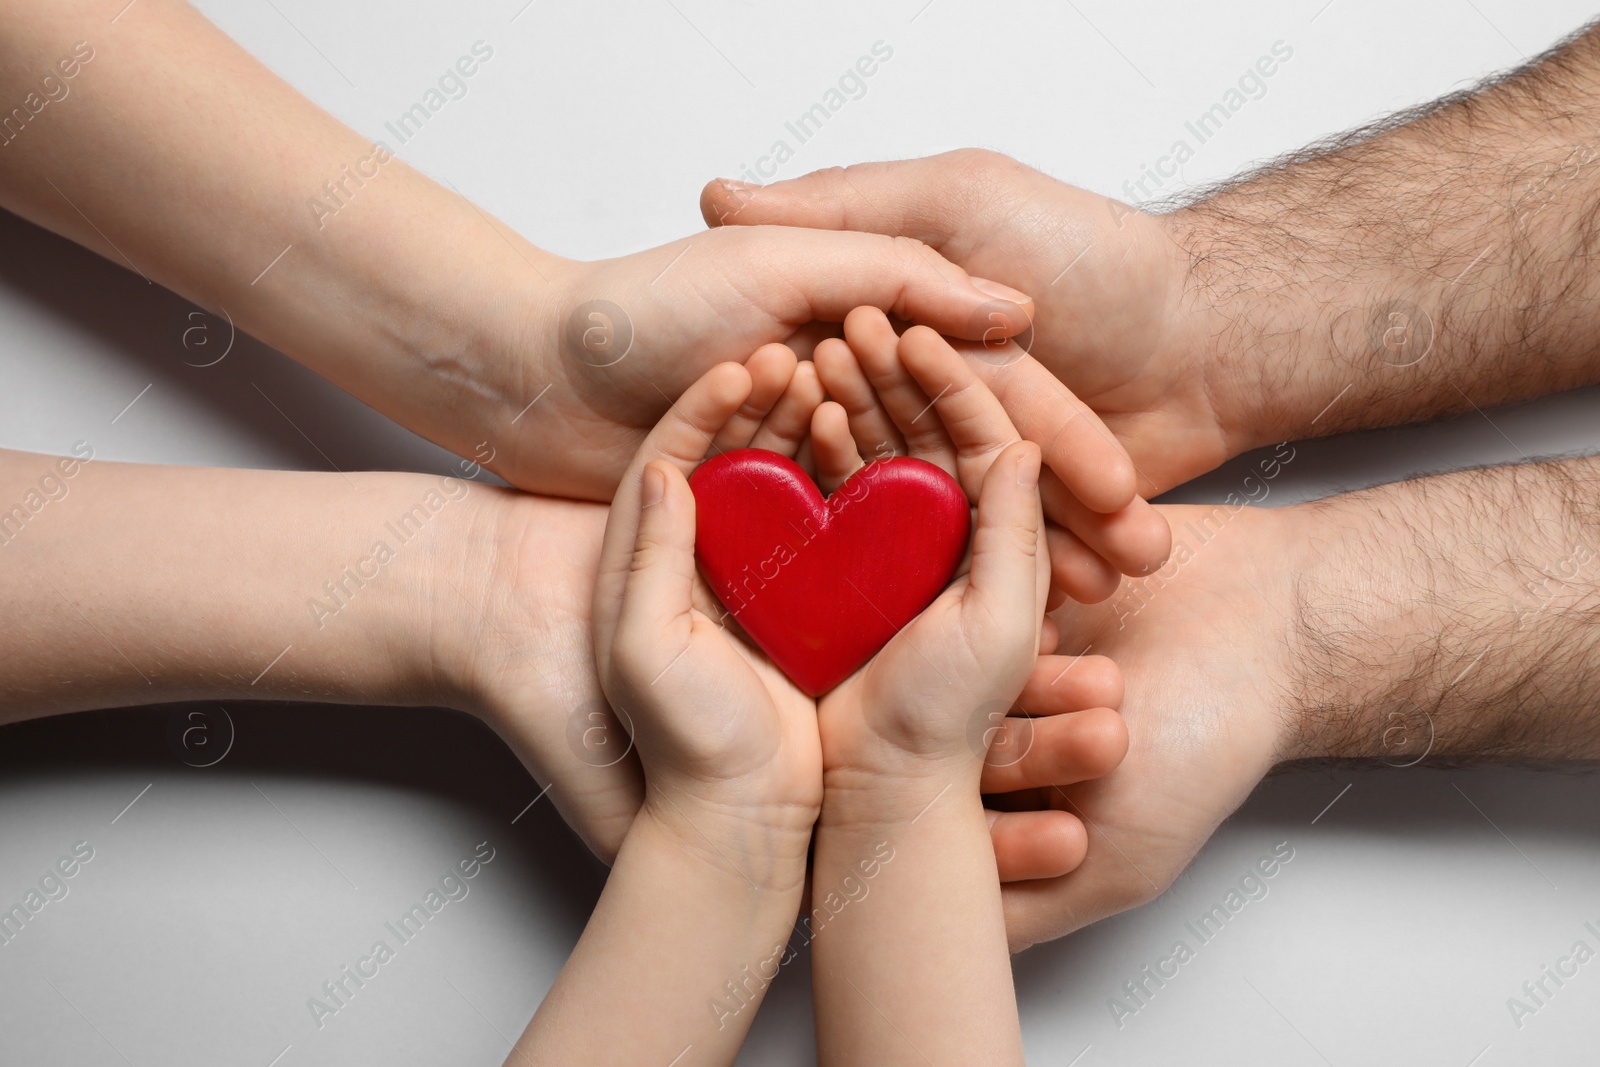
(1108, 283)
(1360, 626)
(327, 246)
(615, 342)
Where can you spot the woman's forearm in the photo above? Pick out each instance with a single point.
(136, 584)
(212, 176)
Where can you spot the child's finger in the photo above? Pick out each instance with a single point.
(1004, 583)
(833, 447)
(785, 428)
(1036, 844)
(681, 438)
(847, 383)
(1135, 540)
(1077, 446)
(771, 368)
(877, 348)
(653, 619)
(972, 417)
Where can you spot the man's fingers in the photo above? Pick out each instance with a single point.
(1036, 844)
(1077, 571)
(1029, 753)
(1094, 467)
(913, 197)
(1135, 540)
(1072, 683)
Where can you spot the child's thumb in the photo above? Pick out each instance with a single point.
(660, 579)
(1009, 537)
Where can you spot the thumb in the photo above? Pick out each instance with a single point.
(653, 621)
(929, 199)
(1004, 584)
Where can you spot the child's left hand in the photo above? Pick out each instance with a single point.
(729, 745)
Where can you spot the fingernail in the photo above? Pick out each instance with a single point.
(1028, 469)
(734, 183)
(653, 488)
(1000, 292)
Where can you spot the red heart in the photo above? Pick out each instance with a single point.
(821, 585)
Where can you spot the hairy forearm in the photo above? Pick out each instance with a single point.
(1452, 617)
(215, 178)
(1441, 259)
(134, 584)
(908, 937)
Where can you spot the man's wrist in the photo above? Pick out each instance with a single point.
(1451, 617)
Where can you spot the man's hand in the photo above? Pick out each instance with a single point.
(1107, 282)
(1433, 262)
(1450, 617)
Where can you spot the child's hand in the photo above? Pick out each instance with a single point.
(729, 745)
(1072, 733)
(916, 395)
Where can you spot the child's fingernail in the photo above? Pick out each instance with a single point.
(734, 183)
(1028, 469)
(999, 292)
(653, 489)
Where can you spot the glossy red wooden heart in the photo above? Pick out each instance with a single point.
(821, 585)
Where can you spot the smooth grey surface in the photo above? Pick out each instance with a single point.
(220, 900)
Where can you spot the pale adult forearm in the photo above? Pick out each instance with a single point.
(1438, 260)
(1452, 617)
(134, 584)
(909, 944)
(678, 955)
(173, 152)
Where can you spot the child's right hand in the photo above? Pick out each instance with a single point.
(729, 745)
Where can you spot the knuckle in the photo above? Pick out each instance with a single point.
(982, 166)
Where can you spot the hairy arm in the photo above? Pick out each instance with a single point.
(1442, 258)
(1464, 623)
(1452, 619)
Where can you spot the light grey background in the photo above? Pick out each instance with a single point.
(220, 900)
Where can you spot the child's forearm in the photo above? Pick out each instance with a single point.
(909, 942)
(676, 958)
(139, 584)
